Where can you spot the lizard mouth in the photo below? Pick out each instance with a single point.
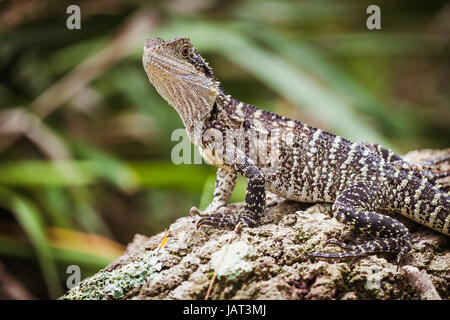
(154, 58)
(150, 60)
(159, 64)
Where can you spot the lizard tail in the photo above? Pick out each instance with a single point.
(422, 202)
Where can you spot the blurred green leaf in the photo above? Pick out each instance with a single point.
(18, 248)
(85, 213)
(167, 175)
(153, 174)
(240, 190)
(106, 166)
(311, 58)
(380, 44)
(56, 204)
(33, 172)
(72, 55)
(208, 192)
(30, 219)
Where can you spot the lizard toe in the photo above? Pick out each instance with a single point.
(227, 221)
(194, 211)
(335, 255)
(340, 244)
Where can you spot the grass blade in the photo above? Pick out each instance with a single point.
(30, 219)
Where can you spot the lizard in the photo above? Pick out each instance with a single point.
(305, 163)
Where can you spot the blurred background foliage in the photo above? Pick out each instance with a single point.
(85, 140)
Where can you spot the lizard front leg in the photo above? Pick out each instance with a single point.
(255, 199)
(225, 182)
(355, 206)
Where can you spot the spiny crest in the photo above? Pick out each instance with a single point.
(182, 77)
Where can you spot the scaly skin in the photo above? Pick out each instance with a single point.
(303, 164)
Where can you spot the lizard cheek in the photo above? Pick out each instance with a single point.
(146, 60)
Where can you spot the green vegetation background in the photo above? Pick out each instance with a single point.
(85, 140)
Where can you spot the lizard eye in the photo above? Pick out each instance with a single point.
(184, 50)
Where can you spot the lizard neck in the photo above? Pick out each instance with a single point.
(196, 126)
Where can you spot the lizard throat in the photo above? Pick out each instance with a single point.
(191, 95)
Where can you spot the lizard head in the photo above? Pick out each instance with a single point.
(182, 77)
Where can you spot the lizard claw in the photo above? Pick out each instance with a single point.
(225, 221)
(199, 224)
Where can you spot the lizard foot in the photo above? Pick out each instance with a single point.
(227, 221)
(400, 246)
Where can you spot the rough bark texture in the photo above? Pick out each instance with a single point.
(268, 262)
